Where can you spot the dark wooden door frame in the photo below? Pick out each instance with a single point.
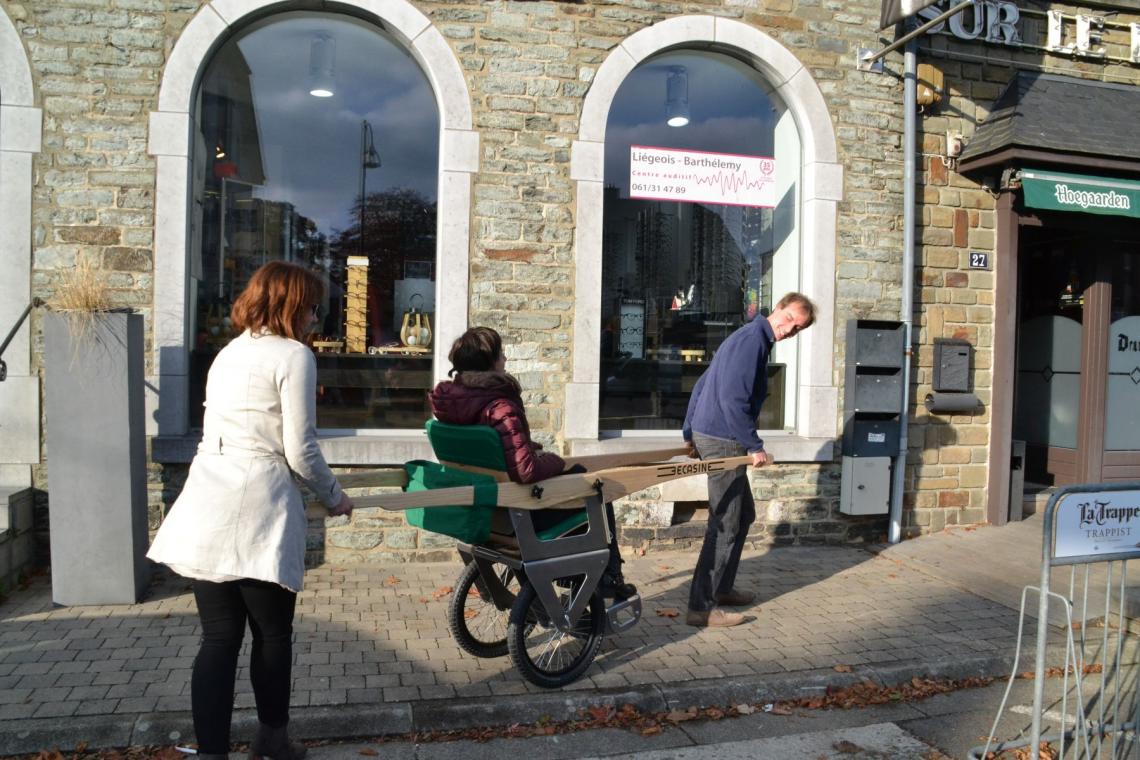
(1094, 375)
(1004, 360)
(1094, 352)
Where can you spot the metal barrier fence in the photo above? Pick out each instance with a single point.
(1094, 530)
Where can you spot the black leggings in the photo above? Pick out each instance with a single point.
(224, 609)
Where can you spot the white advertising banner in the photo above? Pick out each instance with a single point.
(665, 174)
(1097, 523)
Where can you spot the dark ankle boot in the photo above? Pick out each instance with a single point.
(273, 744)
(613, 584)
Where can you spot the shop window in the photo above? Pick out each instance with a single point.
(700, 233)
(316, 141)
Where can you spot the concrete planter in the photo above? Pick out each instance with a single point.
(96, 455)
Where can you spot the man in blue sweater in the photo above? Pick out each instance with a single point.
(721, 422)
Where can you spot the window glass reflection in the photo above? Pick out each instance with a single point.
(681, 271)
(317, 142)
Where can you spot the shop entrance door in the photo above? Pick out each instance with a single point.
(1077, 389)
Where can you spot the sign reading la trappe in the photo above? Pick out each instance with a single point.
(665, 174)
(1097, 523)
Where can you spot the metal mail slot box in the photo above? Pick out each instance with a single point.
(874, 438)
(878, 392)
(878, 346)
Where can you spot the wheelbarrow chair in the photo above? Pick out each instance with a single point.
(533, 554)
(530, 582)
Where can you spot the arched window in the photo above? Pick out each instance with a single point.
(735, 260)
(316, 140)
(700, 233)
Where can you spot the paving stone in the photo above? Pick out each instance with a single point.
(373, 644)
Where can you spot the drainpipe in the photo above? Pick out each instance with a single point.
(910, 116)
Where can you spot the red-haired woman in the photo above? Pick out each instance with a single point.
(238, 528)
(483, 393)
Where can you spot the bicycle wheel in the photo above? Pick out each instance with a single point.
(477, 625)
(544, 655)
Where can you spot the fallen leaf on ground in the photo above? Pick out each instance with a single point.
(678, 716)
(842, 668)
(391, 580)
(600, 713)
(368, 751)
(468, 614)
(441, 592)
(847, 748)
(668, 612)
(744, 709)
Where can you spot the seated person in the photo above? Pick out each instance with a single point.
(483, 393)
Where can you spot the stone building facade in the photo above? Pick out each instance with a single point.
(98, 106)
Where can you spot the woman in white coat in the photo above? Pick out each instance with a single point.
(238, 527)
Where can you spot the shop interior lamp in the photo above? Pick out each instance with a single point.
(322, 65)
(677, 97)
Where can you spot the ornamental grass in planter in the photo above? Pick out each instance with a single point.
(96, 443)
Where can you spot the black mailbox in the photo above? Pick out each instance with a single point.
(951, 366)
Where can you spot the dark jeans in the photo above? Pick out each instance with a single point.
(731, 511)
(224, 609)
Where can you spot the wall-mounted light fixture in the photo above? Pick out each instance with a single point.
(322, 65)
(219, 151)
(677, 96)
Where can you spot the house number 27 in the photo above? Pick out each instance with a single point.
(979, 260)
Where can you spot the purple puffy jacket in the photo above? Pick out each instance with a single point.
(493, 398)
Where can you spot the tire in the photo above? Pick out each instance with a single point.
(477, 625)
(544, 655)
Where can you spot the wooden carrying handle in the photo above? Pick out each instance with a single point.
(594, 462)
(387, 478)
(561, 491)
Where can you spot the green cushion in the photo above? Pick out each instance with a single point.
(475, 445)
(573, 519)
(470, 523)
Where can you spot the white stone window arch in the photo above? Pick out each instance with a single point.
(20, 135)
(816, 412)
(169, 142)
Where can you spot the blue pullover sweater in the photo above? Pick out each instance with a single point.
(727, 397)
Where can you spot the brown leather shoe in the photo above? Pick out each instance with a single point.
(714, 618)
(736, 598)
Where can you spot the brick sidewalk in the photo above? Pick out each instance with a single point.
(378, 633)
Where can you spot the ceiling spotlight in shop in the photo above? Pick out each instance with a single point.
(677, 97)
(322, 65)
